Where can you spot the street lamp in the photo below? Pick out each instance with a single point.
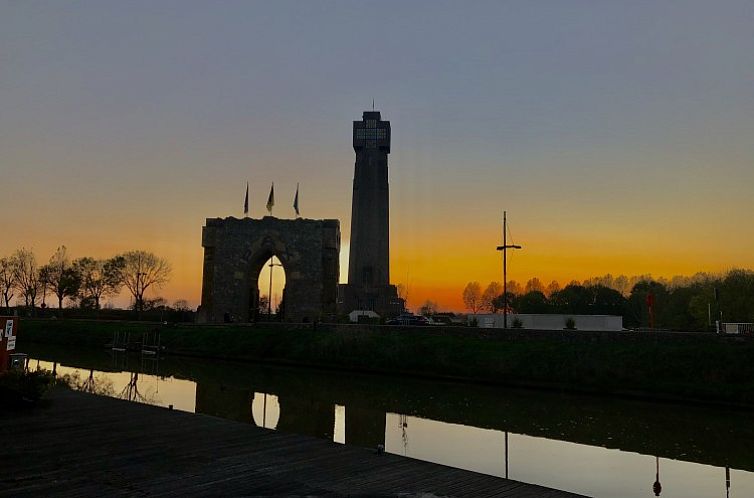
(269, 294)
(505, 248)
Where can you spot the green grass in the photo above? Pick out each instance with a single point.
(700, 367)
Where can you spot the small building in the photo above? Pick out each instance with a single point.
(363, 315)
(549, 321)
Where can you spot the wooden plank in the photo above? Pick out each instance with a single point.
(85, 445)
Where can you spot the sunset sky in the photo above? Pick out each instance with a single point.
(619, 136)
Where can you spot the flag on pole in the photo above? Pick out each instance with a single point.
(295, 202)
(246, 201)
(271, 198)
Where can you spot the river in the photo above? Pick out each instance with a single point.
(596, 446)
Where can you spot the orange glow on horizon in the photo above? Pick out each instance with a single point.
(435, 269)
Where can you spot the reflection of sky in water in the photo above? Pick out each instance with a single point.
(339, 431)
(163, 391)
(590, 470)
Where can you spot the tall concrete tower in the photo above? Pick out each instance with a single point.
(368, 285)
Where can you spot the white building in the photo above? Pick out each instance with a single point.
(549, 321)
(369, 314)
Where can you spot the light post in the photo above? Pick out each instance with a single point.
(269, 294)
(657, 486)
(139, 294)
(505, 248)
(506, 454)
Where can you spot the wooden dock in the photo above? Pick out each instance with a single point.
(84, 445)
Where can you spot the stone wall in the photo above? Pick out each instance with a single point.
(235, 251)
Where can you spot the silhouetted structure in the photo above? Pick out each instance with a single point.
(368, 285)
(236, 250)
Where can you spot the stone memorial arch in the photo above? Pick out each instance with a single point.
(235, 251)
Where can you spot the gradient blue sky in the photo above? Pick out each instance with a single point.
(618, 135)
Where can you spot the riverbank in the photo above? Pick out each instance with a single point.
(675, 366)
(224, 388)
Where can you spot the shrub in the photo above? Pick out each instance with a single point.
(517, 323)
(18, 388)
(570, 324)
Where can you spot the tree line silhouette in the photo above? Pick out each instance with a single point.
(679, 303)
(84, 282)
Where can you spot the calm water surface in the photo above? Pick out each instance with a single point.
(589, 445)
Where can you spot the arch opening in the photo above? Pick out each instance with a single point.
(269, 289)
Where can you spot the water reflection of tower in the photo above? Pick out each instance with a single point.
(657, 487)
(403, 421)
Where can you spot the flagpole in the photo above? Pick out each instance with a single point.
(246, 202)
(295, 203)
(271, 199)
(269, 295)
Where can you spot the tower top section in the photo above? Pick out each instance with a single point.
(371, 133)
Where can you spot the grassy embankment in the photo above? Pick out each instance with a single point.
(694, 367)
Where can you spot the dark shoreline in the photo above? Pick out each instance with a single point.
(676, 367)
(637, 426)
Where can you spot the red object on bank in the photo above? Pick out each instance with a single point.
(8, 331)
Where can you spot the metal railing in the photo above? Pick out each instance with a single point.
(738, 328)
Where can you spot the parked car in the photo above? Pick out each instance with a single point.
(409, 320)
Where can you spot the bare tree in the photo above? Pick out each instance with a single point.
(472, 296)
(264, 303)
(61, 277)
(429, 308)
(534, 284)
(99, 278)
(158, 303)
(44, 280)
(142, 270)
(28, 281)
(621, 285)
(402, 292)
(181, 305)
(552, 288)
(489, 296)
(7, 280)
(515, 288)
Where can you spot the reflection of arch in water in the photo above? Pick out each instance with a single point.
(265, 410)
(365, 426)
(307, 415)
